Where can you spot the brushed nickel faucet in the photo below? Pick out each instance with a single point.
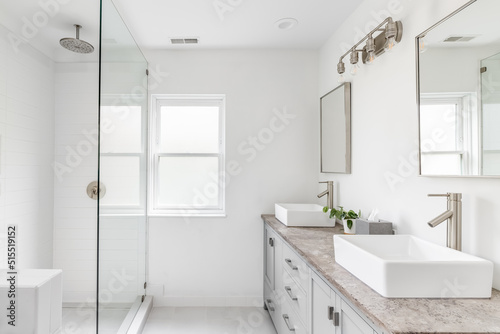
(454, 216)
(328, 192)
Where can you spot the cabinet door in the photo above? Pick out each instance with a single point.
(324, 315)
(269, 257)
(351, 322)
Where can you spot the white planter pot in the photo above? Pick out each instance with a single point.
(351, 230)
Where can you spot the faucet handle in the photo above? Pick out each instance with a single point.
(438, 195)
(325, 181)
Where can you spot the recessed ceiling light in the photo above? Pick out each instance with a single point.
(286, 23)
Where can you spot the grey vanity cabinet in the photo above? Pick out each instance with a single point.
(299, 300)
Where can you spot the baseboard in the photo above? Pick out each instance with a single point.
(183, 301)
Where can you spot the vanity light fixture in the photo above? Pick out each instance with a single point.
(354, 62)
(370, 51)
(392, 32)
(422, 44)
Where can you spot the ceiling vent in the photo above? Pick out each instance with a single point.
(184, 40)
(459, 38)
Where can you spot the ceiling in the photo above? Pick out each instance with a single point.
(478, 21)
(234, 23)
(219, 24)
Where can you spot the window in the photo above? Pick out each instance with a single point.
(123, 158)
(187, 155)
(445, 138)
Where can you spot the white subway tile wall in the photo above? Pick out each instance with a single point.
(75, 214)
(26, 151)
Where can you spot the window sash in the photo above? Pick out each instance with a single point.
(159, 101)
(462, 125)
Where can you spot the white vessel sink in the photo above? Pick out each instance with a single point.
(403, 266)
(302, 215)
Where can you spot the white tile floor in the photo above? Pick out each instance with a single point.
(209, 320)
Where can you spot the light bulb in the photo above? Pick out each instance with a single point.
(341, 79)
(389, 44)
(370, 58)
(354, 69)
(422, 45)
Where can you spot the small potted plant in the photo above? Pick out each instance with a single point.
(347, 217)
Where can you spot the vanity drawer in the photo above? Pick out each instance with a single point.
(290, 321)
(295, 296)
(296, 267)
(272, 303)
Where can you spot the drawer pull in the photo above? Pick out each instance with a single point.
(332, 315)
(330, 312)
(287, 322)
(270, 305)
(271, 242)
(289, 262)
(289, 291)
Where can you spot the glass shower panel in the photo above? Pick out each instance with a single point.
(490, 100)
(122, 174)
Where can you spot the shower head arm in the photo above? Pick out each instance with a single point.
(77, 30)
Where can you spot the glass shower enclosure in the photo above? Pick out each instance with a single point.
(123, 104)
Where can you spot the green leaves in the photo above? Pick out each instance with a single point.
(349, 223)
(340, 214)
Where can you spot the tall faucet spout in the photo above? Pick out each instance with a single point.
(323, 194)
(441, 218)
(454, 217)
(329, 192)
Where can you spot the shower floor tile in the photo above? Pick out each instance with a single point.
(208, 320)
(82, 320)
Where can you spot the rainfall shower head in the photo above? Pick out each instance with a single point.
(76, 44)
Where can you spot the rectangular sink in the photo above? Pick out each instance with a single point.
(310, 215)
(403, 266)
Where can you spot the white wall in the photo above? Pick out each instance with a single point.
(75, 166)
(26, 152)
(384, 138)
(439, 66)
(218, 261)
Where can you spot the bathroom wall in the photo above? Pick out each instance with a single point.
(218, 261)
(445, 62)
(75, 166)
(26, 151)
(385, 131)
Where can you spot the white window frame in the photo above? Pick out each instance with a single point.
(158, 101)
(463, 125)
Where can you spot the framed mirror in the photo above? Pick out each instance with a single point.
(458, 93)
(335, 125)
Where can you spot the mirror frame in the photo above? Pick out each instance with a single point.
(347, 111)
(417, 65)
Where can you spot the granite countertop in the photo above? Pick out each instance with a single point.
(396, 315)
